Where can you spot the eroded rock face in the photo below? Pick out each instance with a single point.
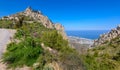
(60, 30)
(107, 36)
(38, 16)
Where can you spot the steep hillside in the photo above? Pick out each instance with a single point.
(106, 52)
(38, 44)
(30, 16)
(107, 36)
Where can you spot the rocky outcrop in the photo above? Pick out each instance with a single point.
(39, 17)
(107, 36)
(35, 15)
(60, 30)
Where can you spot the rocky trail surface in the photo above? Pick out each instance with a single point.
(5, 35)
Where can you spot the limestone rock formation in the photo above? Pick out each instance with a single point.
(39, 17)
(107, 36)
(60, 30)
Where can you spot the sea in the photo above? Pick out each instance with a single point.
(89, 34)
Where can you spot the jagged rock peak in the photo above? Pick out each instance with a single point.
(107, 36)
(39, 17)
(28, 9)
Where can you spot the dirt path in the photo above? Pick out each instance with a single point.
(5, 35)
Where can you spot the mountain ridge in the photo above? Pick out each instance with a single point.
(106, 37)
(105, 52)
(38, 17)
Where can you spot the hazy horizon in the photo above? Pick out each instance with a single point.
(88, 34)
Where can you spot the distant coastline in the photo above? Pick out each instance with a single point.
(89, 34)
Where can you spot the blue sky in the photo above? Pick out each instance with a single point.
(73, 14)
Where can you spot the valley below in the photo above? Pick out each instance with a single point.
(80, 44)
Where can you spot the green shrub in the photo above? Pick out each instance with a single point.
(117, 56)
(22, 53)
(54, 40)
(6, 24)
(28, 50)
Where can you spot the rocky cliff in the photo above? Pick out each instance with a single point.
(38, 17)
(107, 36)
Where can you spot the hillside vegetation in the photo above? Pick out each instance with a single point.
(40, 44)
(37, 46)
(105, 56)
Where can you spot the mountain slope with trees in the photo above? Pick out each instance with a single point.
(105, 55)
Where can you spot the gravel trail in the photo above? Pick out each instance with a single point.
(5, 35)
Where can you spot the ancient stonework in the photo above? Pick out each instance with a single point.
(107, 36)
